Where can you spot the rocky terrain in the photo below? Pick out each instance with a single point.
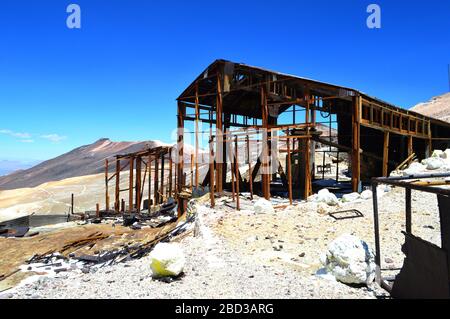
(438, 107)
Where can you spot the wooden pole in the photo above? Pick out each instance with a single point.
(219, 136)
(236, 166)
(117, 192)
(307, 153)
(410, 145)
(156, 183)
(211, 172)
(356, 156)
(180, 157)
(149, 196)
(130, 190)
(289, 170)
(97, 210)
(232, 170)
(197, 115)
(72, 204)
(138, 183)
(161, 198)
(265, 164)
(170, 174)
(192, 171)
(250, 173)
(106, 185)
(385, 154)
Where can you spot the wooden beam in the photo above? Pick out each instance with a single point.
(156, 183)
(161, 198)
(138, 183)
(356, 156)
(385, 154)
(149, 195)
(117, 191)
(211, 172)
(130, 189)
(197, 116)
(180, 157)
(106, 185)
(219, 136)
(289, 170)
(410, 145)
(250, 173)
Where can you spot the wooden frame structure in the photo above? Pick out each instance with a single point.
(234, 98)
(163, 181)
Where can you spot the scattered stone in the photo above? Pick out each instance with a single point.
(302, 255)
(167, 260)
(350, 260)
(388, 260)
(277, 247)
(263, 206)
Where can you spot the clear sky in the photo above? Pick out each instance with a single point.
(119, 75)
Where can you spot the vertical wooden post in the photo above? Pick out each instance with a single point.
(156, 182)
(250, 173)
(219, 136)
(192, 171)
(72, 204)
(138, 183)
(266, 145)
(106, 185)
(197, 116)
(385, 154)
(307, 144)
(161, 198)
(117, 191)
(211, 172)
(130, 190)
(356, 155)
(97, 210)
(123, 206)
(149, 196)
(232, 170)
(180, 157)
(410, 145)
(236, 166)
(289, 169)
(170, 173)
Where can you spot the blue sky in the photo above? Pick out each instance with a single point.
(119, 75)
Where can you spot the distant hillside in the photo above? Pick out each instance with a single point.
(85, 160)
(438, 107)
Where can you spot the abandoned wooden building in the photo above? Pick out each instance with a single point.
(242, 103)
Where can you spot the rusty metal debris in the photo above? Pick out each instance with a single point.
(346, 214)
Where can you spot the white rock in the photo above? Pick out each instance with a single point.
(350, 260)
(167, 260)
(324, 196)
(415, 168)
(446, 154)
(434, 163)
(367, 194)
(347, 198)
(263, 206)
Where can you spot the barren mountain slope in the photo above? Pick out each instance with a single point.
(438, 107)
(85, 160)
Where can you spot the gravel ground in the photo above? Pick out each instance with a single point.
(233, 255)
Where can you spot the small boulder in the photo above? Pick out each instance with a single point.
(167, 260)
(350, 260)
(367, 194)
(434, 163)
(348, 198)
(324, 196)
(263, 206)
